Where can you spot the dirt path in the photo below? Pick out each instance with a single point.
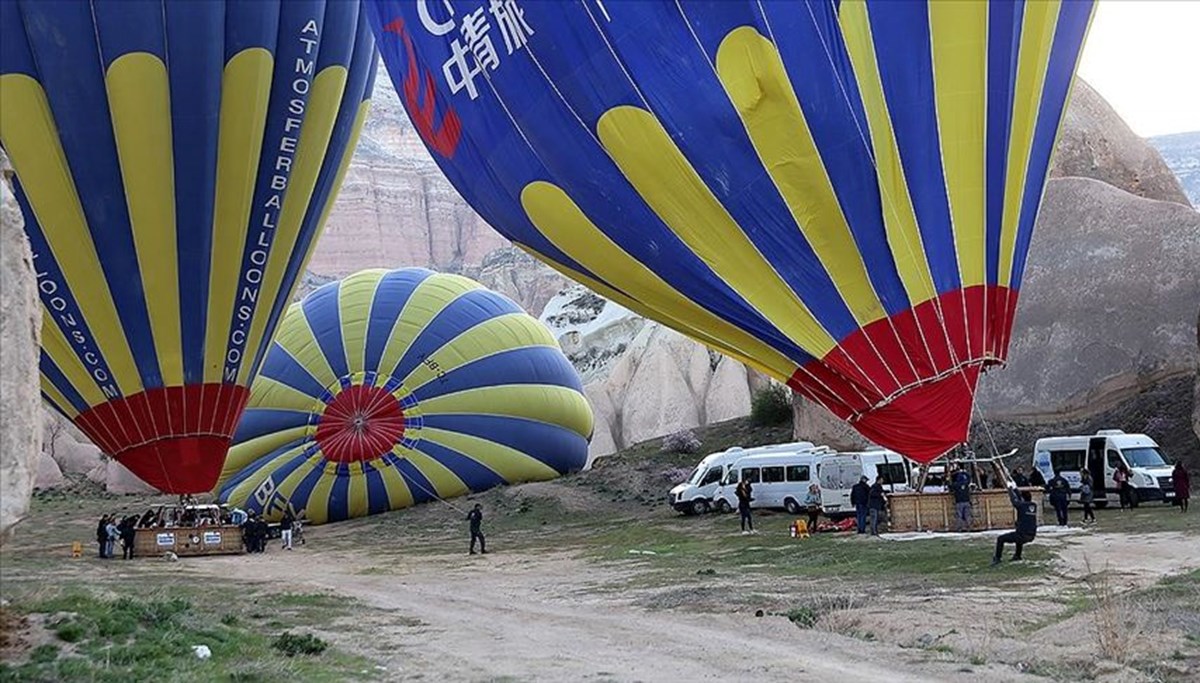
(1139, 559)
(543, 619)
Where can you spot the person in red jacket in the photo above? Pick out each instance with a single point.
(1183, 486)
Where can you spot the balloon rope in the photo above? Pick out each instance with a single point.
(435, 496)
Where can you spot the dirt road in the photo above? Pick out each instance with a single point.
(550, 618)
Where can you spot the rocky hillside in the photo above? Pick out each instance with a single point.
(1181, 152)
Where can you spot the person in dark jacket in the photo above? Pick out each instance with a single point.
(858, 498)
(1019, 478)
(875, 504)
(1036, 478)
(1060, 497)
(745, 494)
(960, 487)
(102, 536)
(1026, 527)
(475, 517)
(285, 528)
(128, 532)
(1181, 481)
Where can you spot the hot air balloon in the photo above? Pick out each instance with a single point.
(175, 162)
(839, 193)
(390, 388)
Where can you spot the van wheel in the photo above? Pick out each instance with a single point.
(791, 506)
(699, 506)
(723, 507)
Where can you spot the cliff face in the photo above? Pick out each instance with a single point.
(1095, 143)
(1107, 307)
(20, 338)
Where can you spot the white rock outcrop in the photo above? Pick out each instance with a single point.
(49, 476)
(20, 339)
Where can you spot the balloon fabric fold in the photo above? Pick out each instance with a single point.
(390, 388)
(839, 193)
(175, 162)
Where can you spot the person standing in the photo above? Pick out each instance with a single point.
(960, 487)
(128, 531)
(1182, 483)
(812, 505)
(1121, 479)
(1026, 526)
(1060, 497)
(745, 494)
(875, 504)
(102, 535)
(475, 517)
(110, 529)
(858, 498)
(285, 529)
(1086, 496)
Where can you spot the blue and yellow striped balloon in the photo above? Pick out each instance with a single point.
(389, 388)
(175, 163)
(840, 193)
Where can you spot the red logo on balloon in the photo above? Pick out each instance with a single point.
(441, 135)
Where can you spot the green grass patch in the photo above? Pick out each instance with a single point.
(123, 638)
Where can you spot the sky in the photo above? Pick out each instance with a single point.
(1141, 55)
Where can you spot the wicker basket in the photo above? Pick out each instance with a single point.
(990, 509)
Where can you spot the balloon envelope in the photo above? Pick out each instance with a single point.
(391, 388)
(175, 162)
(839, 193)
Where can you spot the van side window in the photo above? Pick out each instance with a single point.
(711, 477)
(750, 474)
(1067, 461)
(892, 473)
(797, 473)
(1114, 459)
(732, 477)
(772, 475)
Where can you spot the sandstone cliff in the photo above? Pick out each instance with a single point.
(1095, 143)
(20, 337)
(1106, 310)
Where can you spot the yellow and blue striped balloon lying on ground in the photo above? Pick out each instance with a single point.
(390, 388)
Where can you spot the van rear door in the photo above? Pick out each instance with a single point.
(1095, 465)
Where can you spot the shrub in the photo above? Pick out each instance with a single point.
(44, 654)
(292, 644)
(684, 442)
(70, 631)
(771, 405)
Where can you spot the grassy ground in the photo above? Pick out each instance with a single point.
(86, 620)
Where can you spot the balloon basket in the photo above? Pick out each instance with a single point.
(990, 509)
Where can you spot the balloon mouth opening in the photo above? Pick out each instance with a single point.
(360, 423)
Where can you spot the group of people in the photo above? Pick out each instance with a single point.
(256, 531)
(869, 504)
(110, 531)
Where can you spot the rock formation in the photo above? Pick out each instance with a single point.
(643, 379)
(118, 480)
(1095, 143)
(1196, 400)
(49, 476)
(1107, 305)
(20, 337)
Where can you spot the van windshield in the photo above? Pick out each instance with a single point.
(695, 478)
(1143, 456)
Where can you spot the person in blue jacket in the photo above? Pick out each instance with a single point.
(1026, 526)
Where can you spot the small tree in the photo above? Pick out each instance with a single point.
(770, 405)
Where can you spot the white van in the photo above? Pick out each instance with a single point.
(780, 479)
(1100, 454)
(696, 496)
(838, 473)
